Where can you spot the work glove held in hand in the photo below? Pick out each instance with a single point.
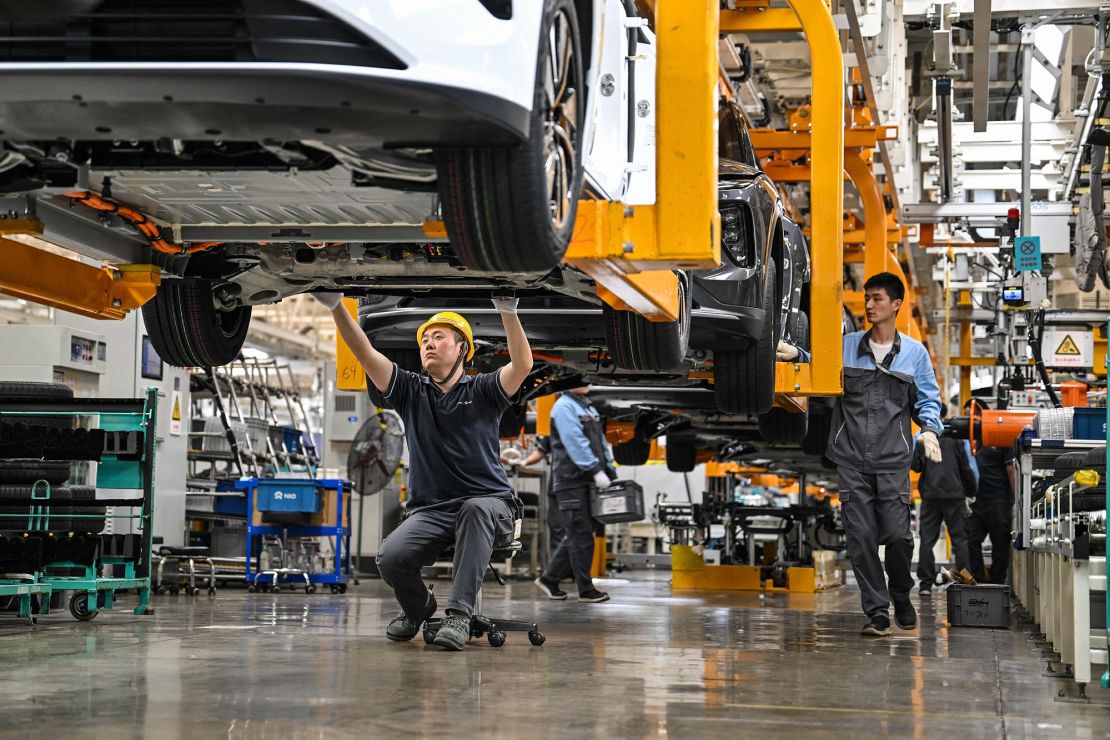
(601, 480)
(329, 301)
(505, 304)
(932, 445)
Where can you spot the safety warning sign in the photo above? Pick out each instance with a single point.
(175, 415)
(1069, 348)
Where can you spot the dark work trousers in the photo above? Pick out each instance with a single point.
(995, 521)
(876, 509)
(473, 525)
(577, 545)
(557, 569)
(952, 512)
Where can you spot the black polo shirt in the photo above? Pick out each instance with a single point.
(452, 437)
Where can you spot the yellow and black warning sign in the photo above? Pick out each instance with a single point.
(1068, 347)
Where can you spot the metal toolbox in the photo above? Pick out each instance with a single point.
(623, 501)
(979, 606)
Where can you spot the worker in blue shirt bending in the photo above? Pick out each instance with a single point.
(580, 463)
(458, 492)
(888, 381)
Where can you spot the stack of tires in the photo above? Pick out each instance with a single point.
(1091, 498)
(22, 477)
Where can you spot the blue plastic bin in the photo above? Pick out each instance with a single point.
(1089, 423)
(294, 439)
(287, 495)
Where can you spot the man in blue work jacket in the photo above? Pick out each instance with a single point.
(458, 492)
(580, 462)
(888, 381)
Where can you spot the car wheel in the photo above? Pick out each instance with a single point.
(638, 344)
(186, 328)
(633, 452)
(744, 382)
(682, 456)
(512, 209)
(779, 425)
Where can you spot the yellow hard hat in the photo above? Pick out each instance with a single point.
(456, 322)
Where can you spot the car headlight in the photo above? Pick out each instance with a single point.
(738, 235)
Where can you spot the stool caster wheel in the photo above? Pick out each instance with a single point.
(342, 588)
(193, 591)
(276, 589)
(251, 589)
(536, 638)
(160, 591)
(334, 590)
(429, 637)
(496, 639)
(310, 589)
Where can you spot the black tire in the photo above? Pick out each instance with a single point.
(682, 455)
(744, 382)
(816, 439)
(1065, 465)
(496, 639)
(20, 471)
(1096, 459)
(633, 452)
(512, 422)
(22, 390)
(638, 344)
(497, 204)
(83, 524)
(186, 330)
(536, 638)
(779, 425)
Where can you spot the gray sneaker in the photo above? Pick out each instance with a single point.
(453, 633)
(403, 629)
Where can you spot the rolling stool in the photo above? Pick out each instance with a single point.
(189, 555)
(493, 627)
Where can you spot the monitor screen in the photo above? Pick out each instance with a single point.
(151, 367)
(1013, 294)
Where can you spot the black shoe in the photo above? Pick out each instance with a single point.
(403, 629)
(551, 589)
(925, 588)
(905, 616)
(593, 596)
(879, 626)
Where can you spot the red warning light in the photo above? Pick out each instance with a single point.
(1013, 213)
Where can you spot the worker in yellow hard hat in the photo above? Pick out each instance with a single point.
(459, 493)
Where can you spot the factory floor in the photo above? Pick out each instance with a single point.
(649, 663)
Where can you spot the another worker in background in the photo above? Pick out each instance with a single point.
(580, 463)
(888, 382)
(945, 487)
(992, 514)
(458, 492)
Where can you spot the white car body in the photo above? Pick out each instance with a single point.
(468, 79)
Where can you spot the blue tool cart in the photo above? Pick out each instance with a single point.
(59, 546)
(285, 520)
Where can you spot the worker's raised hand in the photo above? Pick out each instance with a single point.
(932, 445)
(505, 303)
(329, 301)
(601, 480)
(786, 352)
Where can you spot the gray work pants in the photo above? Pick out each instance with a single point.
(933, 511)
(473, 525)
(575, 553)
(876, 509)
(559, 569)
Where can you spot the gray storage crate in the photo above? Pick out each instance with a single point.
(623, 501)
(979, 606)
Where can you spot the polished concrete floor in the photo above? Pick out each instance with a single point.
(650, 663)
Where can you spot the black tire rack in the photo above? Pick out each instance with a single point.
(51, 534)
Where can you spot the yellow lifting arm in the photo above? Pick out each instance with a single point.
(59, 282)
